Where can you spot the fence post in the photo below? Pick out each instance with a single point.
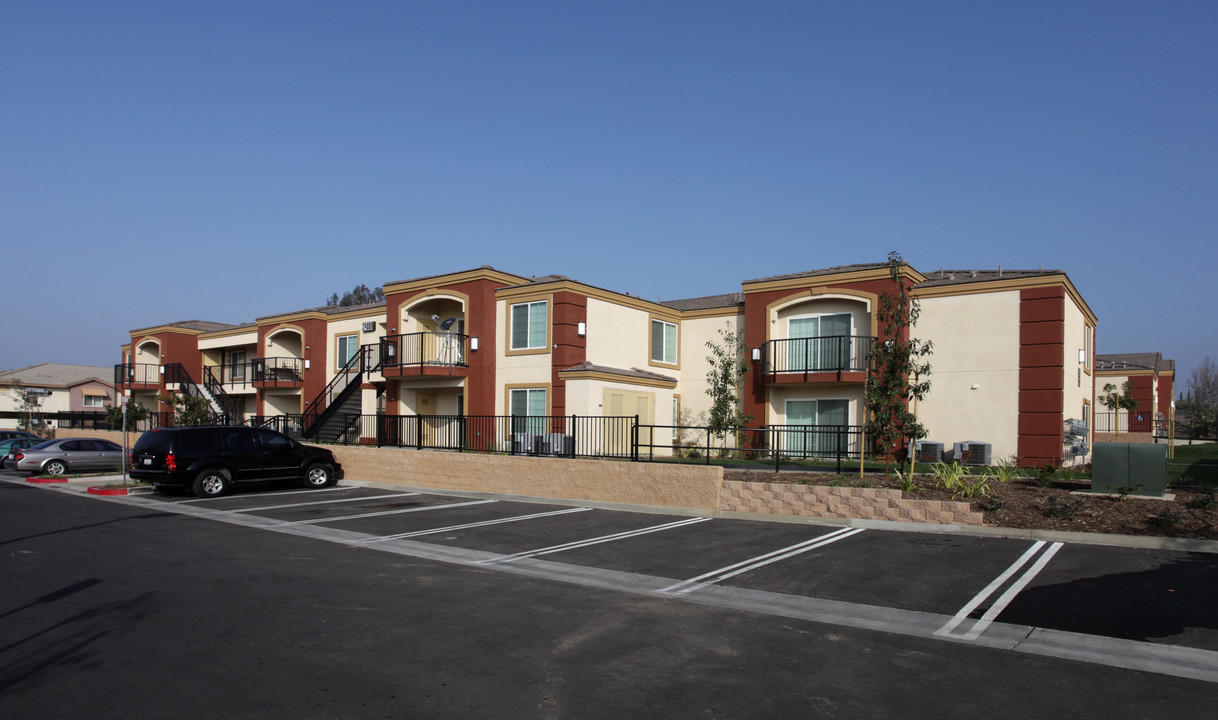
(634, 440)
(839, 449)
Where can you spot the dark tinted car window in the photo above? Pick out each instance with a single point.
(106, 445)
(239, 439)
(272, 440)
(44, 444)
(196, 443)
(153, 441)
(72, 446)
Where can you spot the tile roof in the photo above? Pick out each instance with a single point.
(956, 277)
(823, 271)
(326, 309)
(706, 303)
(1134, 361)
(57, 375)
(200, 325)
(446, 274)
(632, 372)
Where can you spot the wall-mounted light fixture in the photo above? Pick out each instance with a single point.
(473, 343)
(308, 363)
(581, 329)
(756, 353)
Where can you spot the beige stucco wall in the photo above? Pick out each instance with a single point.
(976, 343)
(221, 342)
(349, 326)
(525, 370)
(620, 336)
(692, 385)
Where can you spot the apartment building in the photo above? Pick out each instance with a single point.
(1152, 377)
(1013, 356)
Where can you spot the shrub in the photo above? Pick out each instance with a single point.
(948, 475)
(972, 486)
(906, 482)
(1046, 476)
(993, 504)
(1166, 519)
(1064, 510)
(1124, 491)
(1004, 471)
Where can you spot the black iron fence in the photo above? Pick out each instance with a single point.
(425, 348)
(843, 353)
(777, 443)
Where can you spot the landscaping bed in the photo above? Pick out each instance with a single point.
(1023, 503)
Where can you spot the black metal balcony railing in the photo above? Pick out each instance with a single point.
(842, 353)
(425, 348)
(137, 374)
(277, 371)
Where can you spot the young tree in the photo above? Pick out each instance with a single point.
(29, 406)
(136, 414)
(728, 368)
(359, 295)
(1115, 402)
(188, 409)
(900, 370)
(1200, 403)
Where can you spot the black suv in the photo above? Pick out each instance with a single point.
(211, 459)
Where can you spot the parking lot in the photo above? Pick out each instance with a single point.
(1124, 607)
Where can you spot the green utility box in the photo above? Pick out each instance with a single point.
(1116, 466)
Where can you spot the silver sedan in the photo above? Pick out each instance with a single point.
(59, 457)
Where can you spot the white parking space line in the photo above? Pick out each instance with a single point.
(714, 576)
(1006, 598)
(278, 494)
(385, 512)
(325, 502)
(593, 541)
(467, 526)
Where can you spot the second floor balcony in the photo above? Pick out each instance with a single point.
(841, 358)
(137, 375)
(424, 353)
(276, 372)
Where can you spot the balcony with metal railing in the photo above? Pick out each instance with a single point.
(137, 376)
(842, 358)
(424, 353)
(277, 372)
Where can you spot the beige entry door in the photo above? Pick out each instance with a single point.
(425, 407)
(626, 403)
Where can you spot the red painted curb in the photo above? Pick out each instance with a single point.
(106, 491)
(45, 480)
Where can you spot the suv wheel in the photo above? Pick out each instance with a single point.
(211, 483)
(318, 476)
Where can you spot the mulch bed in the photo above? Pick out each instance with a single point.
(1024, 504)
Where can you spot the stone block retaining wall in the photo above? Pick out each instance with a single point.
(841, 502)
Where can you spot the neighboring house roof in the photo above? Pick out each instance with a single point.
(1135, 361)
(200, 325)
(956, 277)
(706, 303)
(822, 271)
(56, 375)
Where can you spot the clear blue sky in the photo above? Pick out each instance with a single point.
(164, 161)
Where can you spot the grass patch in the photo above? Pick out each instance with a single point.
(1194, 465)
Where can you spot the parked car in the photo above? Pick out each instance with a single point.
(9, 448)
(57, 457)
(10, 434)
(210, 460)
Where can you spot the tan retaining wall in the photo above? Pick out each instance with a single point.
(841, 502)
(1133, 438)
(683, 486)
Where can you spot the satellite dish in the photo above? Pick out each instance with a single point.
(447, 323)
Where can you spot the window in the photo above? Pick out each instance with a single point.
(825, 428)
(95, 401)
(348, 346)
(819, 342)
(236, 364)
(529, 325)
(663, 342)
(528, 403)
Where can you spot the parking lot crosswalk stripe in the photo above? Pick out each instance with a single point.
(467, 526)
(1012, 591)
(323, 502)
(714, 576)
(592, 541)
(988, 590)
(314, 521)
